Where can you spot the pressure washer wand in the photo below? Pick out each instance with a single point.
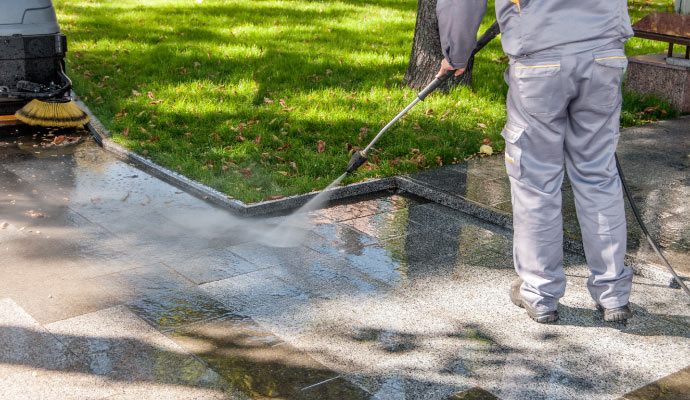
(360, 157)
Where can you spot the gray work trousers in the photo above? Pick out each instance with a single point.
(564, 114)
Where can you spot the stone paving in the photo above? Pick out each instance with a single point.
(116, 285)
(656, 162)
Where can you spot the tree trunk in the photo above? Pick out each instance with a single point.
(426, 57)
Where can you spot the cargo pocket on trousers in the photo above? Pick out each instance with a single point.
(607, 74)
(512, 133)
(538, 83)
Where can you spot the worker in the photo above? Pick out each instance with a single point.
(564, 100)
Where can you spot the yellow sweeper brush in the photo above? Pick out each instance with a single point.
(59, 113)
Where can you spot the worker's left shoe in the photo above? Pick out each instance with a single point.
(618, 314)
(542, 317)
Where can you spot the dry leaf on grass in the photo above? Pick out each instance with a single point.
(486, 149)
(321, 146)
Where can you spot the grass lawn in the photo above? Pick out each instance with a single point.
(265, 98)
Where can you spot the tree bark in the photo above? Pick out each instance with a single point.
(426, 57)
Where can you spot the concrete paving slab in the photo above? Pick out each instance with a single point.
(255, 361)
(258, 292)
(385, 225)
(372, 205)
(34, 364)
(163, 298)
(140, 362)
(57, 298)
(674, 386)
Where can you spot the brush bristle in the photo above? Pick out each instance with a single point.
(49, 114)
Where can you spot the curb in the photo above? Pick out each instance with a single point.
(103, 138)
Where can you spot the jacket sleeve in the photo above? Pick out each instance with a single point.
(458, 24)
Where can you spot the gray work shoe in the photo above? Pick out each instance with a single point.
(618, 314)
(539, 316)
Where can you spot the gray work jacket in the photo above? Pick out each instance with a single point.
(533, 26)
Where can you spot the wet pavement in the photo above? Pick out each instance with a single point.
(116, 285)
(655, 159)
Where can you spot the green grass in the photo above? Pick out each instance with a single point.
(243, 91)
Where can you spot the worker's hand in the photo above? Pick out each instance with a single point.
(445, 66)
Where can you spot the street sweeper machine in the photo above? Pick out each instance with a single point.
(34, 88)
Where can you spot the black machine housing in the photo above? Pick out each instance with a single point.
(32, 52)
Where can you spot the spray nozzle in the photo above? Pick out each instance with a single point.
(356, 161)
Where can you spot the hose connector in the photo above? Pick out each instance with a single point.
(358, 158)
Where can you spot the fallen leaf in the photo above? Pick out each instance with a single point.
(240, 138)
(650, 109)
(258, 139)
(483, 126)
(269, 101)
(321, 146)
(486, 149)
(246, 172)
(375, 158)
(284, 173)
(282, 103)
(275, 197)
(156, 102)
(150, 95)
(125, 197)
(136, 93)
(293, 165)
(429, 111)
(60, 139)
(417, 128)
(122, 113)
(486, 141)
(197, 64)
(445, 114)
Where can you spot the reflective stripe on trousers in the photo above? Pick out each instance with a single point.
(564, 114)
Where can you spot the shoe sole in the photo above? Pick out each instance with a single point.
(615, 316)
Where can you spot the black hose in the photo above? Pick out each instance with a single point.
(66, 86)
(649, 237)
